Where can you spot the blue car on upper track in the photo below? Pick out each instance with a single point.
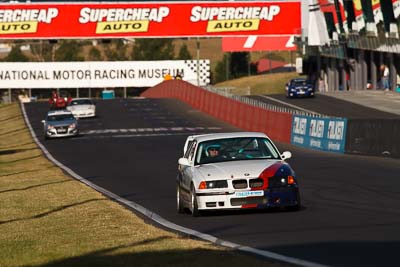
(299, 87)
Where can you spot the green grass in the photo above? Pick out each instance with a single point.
(265, 84)
(49, 219)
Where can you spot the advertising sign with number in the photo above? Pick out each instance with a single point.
(327, 134)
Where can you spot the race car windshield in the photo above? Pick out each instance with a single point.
(299, 83)
(81, 102)
(61, 117)
(232, 149)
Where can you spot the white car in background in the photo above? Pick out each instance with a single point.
(239, 170)
(82, 107)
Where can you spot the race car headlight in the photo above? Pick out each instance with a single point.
(281, 181)
(283, 177)
(72, 126)
(50, 127)
(289, 180)
(213, 184)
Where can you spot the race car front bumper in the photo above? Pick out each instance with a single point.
(53, 133)
(84, 114)
(281, 197)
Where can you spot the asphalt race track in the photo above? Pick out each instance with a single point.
(351, 214)
(326, 105)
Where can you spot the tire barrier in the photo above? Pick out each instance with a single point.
(276, 125)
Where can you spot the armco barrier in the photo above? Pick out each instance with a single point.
(276, 125)
(376, 137)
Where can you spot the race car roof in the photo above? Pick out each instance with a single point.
(207, 137)
(299, 79)
(58, 112)
(82, 98)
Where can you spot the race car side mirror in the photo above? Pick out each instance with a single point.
(183, 161)
(286, 155)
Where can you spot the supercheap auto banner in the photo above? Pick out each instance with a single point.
(148, 19)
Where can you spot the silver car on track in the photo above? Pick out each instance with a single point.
(60, 123)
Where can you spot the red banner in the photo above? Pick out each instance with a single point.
(148, 19)
(258, 43)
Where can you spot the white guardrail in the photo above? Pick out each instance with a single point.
(225, 91)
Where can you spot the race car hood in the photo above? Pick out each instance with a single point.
(61, 123)
(299, 87)
(79, 107)
(234, 169)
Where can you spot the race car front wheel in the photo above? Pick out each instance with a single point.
(296, 207)
(179, 204)
(193, 203)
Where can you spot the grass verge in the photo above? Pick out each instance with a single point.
(49, 219)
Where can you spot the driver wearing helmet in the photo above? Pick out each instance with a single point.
(213, 150)
(212, 153)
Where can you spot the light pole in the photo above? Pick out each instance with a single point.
(198, 60)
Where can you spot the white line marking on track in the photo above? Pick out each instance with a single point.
(158, 219)
(150, 135)
(150, 130)
(139, 135)
(290, 105)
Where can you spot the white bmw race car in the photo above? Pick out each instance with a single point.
(236, 170)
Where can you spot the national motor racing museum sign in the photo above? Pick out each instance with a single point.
(92, 74)
(148, 19)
